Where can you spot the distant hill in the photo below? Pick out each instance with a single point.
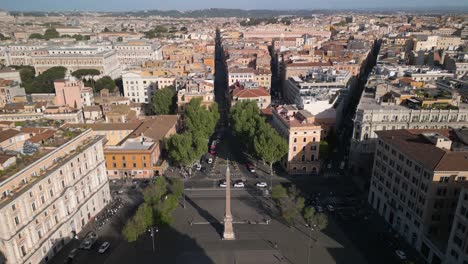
(255, 13)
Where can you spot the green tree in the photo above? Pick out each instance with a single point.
(183, 29)
(199, 118)
(119, 39)
(185, 149)
(164, 101)
(85, 73)
(51, 33)
(245, 120)
(154, 193)
(44, 83)
(278, 192)
(269, 145)
(105, 82)
(36, 36)
(106, 30)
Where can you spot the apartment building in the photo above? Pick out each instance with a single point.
(457, 245)
(244, 75)
(394, 104)
(135, 53)
(11, 92)
(140, 85)
(75, 58)
(49, 198)
(195, 86)
(302, 133)
(138, 155)
(239, 93)
(72, 93)
(415, 186)
(317, 91)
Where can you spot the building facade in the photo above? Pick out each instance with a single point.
(45, 204)
(415, 186)
(302, 134)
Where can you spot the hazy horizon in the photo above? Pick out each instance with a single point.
(185, 5)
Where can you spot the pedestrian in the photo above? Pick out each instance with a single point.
(276, 245)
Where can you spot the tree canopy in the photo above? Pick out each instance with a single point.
(269, 145)
(43, 83)
(105, 82)
(200, 119)
(289, 202)
(157, 209)
(185, 148)
(85, 72)
(51, 33)
(256, 135)
(164, 101)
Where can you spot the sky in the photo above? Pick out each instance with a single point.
(134, 5)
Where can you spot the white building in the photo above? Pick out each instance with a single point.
(318, 91)
(139, 86)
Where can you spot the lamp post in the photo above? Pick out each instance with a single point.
(310, 243)
(153, 231)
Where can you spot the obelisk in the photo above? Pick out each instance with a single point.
(228, 229)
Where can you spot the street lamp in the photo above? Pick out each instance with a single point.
(153, 230)
(310, 243)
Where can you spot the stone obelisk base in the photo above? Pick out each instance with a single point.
(228, 229)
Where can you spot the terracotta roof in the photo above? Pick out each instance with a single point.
(250, 93)
(92, 108)
(42, 136)
(310, 64)
(114, 126)
(9, 133)
(419, 148)
(156, 127)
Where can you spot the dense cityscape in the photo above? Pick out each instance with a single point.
(233, 136)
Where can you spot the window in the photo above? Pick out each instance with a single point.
(33, 205)
(17, 222)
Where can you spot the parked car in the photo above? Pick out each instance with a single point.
(400, 254)
(330, 208)
(87, 244)
(73, 253)
(239, 184)
(250, 167)
(209, 160)
(222, 184)
(103, 248)
(198, 166)
(319, 208)
(261, 184)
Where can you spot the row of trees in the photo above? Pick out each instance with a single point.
(187, 147)
(160, 201)
(44, 83)
(291, 204)
(259, 139)
(51, 33)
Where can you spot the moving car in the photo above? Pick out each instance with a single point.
(330, 208)
(239, 184)
(400, 254)
(250, 167)
(222, 184)
(261, 184)
(103, 248)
